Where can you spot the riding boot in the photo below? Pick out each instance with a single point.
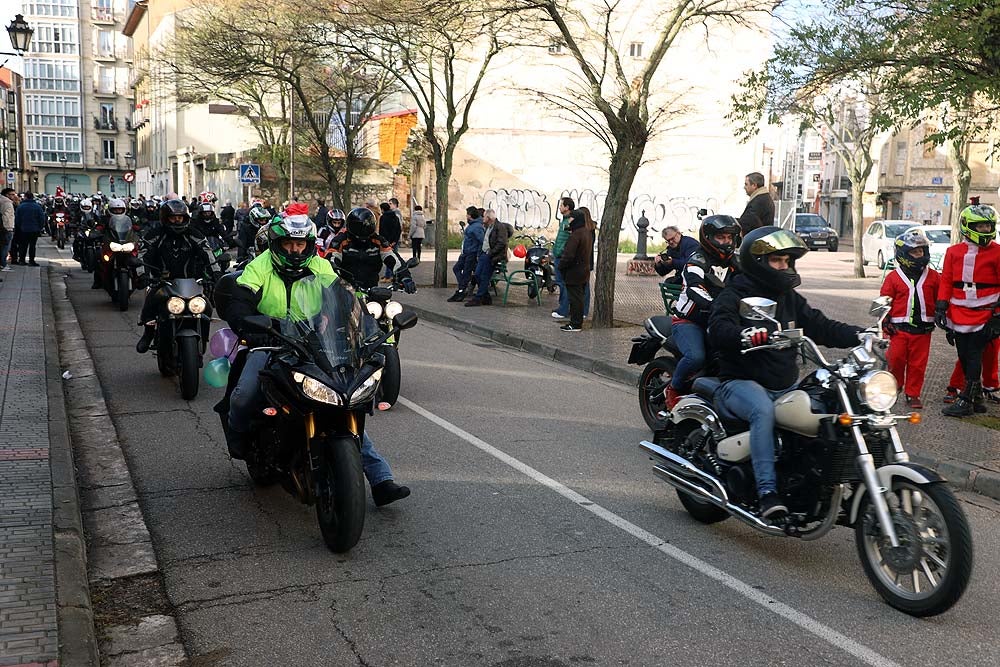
(148, 332)
(978, 400)
(964, 405)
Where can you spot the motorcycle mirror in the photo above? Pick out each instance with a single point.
(758, 308)
(405, 320)
(879, 304)
(412, 262)
(257, 323)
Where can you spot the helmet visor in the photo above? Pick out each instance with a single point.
(778, 241)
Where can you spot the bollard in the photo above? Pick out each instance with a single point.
(640, 245)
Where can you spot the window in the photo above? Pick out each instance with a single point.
(50, 38)
(65, 8)
(107, 113)
(51, 75)
(635, 50)
(45, 146)
(52, 110)
(108, 150)
(103, 10)
(104, 79)
(104, 44)
(556, 47)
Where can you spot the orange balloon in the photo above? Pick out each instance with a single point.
(520, 251)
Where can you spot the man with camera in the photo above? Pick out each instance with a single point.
(679, 249)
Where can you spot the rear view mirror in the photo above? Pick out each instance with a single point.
(412, 262)
(880, 305)
(405, 320)
(257, 324)
(758, 308)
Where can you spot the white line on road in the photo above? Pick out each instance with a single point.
(800, 619)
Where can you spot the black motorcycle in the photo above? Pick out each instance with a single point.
(118, 262)
(320, 381)
(88, 242)
(182, 324)
(658, 371)
(538, 260)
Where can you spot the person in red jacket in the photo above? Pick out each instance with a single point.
(991, 375)
(913, 287)
(967, 295)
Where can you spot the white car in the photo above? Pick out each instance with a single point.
(876, 244)
(939, 236)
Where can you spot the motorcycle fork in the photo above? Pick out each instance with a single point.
(866, 462)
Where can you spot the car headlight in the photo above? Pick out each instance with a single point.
(375, 308)
(318, 391)
(197, 305)
(367, 388)
(878, 390)
(175, 305)
(393, 308)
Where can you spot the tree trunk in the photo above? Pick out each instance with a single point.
(441, 181)
(858, 223)
(961, 177)
(624, 165)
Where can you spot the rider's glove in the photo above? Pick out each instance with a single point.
(409, 286)
(889, 329)
(754, 337)
(940, 314)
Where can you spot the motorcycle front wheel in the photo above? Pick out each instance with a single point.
(391, 375)
(653, 381)
(188, 353)
(124, 290)
(927, 574)
(340, 505)
(60, 242)
(89, 260)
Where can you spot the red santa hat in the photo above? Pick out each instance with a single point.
(298, 211)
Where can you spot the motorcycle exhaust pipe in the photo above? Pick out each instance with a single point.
(681, 474)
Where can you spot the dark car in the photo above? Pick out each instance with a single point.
(815, 232)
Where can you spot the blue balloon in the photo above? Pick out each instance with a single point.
(217, 372)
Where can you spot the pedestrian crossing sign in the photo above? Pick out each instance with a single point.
(250, 174)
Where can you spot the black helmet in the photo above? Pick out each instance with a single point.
(762, 242)
(719, 224)
(906, 243)
(207, 211)
(172, 207)
(360, 223)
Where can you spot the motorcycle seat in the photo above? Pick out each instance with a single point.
(659, 326)
(706, 387)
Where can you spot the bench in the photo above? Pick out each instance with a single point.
(520, 277)
(670, 293)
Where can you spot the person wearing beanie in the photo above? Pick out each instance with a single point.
(574, 265)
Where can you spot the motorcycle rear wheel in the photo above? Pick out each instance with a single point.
(935, 549)
(124, 285)
(188, 353)
(700, 510)
(652, 382)
(340, 505)
(391, 375)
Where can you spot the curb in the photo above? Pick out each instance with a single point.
(961, 475)
(119, 549)
(75, 614)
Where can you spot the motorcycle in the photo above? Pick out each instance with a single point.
(658, 371)
(320, 381)
(88, 242)
(182, 324)
(119, 261)
(839, 461)
(538, 260)
(59, 222)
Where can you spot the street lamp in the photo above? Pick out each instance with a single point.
(20, 35)
(63, 160)
(129, 158)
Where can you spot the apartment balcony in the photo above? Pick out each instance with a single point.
(102, 15)
(105, 124)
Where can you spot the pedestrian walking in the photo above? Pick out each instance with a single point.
(574, 264)
(8, 201)
(418, 230)
(760, 207)
(913, 286)
(29, 217)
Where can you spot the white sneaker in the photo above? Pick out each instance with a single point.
(557, 316)
(6, 268)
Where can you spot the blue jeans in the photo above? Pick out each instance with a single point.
(752, 403)
(5, 241)
(563, 307)
(463, 269)
(690, 339)
(247, 400)
(484, 271)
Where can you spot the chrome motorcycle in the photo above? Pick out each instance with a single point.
(839, 460)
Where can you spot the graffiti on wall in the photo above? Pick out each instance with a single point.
(661, 212)
(525, 209)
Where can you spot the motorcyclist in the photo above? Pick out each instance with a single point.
(751, 382)
(333, 225)
(359, 251)
(267, 286)
(208, 223)
(967, 298)
(58, 206)
(707, 271)
(119, 228)
(177, 250)
(256, 219)
(87, 221)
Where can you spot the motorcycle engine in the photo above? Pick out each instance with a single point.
(740, 484)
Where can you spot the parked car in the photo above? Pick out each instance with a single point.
(939, 236)
(876, 244)
(816, 232)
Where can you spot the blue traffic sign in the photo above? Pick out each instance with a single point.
(250, 174)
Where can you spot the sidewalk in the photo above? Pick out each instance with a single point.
(968, 455)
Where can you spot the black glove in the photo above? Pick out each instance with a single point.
(889, 329)
(389, 261)
(950, 337)
(940, 314)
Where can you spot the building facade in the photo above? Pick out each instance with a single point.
(76, 102)
(13, 172)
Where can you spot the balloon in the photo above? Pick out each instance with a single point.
(520, 251)
(222, 343)
(236, 350)
(217, 372)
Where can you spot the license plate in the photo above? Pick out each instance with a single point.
(820, 242)
(643, 350)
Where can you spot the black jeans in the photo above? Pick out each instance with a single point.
(26, 246)
(415, 245)
(576, 294)
(970, 348)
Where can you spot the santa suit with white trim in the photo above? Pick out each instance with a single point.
(912, 317)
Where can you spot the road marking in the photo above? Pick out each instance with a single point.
(807, 623)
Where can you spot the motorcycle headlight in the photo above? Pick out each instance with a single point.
(128, 247)
(175, 305)
(367, 388)
(116, 247)
(197, 305)
(318, 391)
(375, 308)
(878, 390)
(393, 308)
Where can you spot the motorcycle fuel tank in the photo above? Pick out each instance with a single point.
(793, 411)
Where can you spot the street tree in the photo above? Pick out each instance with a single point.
(850, 111)
(439, 52)
(623, 103)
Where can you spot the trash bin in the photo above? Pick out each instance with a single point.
(429, 234)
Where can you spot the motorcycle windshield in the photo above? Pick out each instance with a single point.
(120, 226)
(327, 317)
